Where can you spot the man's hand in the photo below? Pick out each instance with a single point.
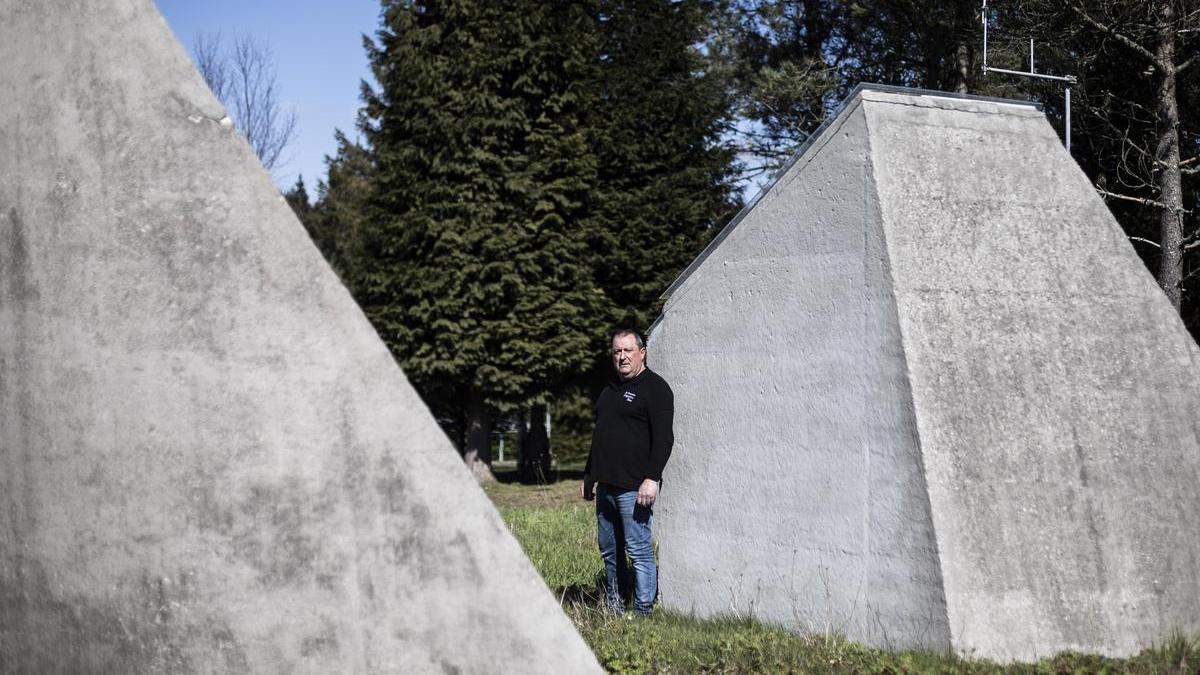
(587, 489)
(648, 492)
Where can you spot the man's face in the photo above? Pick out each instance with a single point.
(628, 358)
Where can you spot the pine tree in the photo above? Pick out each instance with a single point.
(297, 198)
(665, 175)
(470, 261)
(338, 217)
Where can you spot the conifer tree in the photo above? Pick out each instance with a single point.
(337, 218)
(470, 262)
(665, 176)
(297, 198)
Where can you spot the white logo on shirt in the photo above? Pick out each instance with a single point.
(629, 396)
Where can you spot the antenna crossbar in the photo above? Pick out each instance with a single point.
(1067, 80)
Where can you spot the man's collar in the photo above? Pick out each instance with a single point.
(618, 382)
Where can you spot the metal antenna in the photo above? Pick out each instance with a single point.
(1067, 80)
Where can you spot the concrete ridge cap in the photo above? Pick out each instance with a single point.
(955, 105)
(932, 97)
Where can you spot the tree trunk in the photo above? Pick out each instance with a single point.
(964, 19)
(477, 441)
(1170, 271)
(535, 457)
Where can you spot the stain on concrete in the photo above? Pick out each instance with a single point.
(150, 628)
(323, 643)
(16, 266)
(271, 534)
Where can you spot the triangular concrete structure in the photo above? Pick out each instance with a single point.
(927, 394)
(209, 462)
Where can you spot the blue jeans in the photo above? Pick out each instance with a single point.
(624, 527)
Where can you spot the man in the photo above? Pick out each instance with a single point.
(630, 446)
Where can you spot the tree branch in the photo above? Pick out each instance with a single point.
(1139, 200)
(1146, 241)
(1119, 37)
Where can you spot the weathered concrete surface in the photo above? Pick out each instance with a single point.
(927, 394)
(209, 462)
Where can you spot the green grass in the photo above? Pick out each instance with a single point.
(561, 543)
(558, 532)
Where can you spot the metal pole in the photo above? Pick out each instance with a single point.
(1068, 106)
(983, 14)
(1067, 80)
(1037, 76)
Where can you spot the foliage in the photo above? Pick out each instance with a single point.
(469, 262)
(297, 198)
(664, 176)
(793, 61)
(573, 418)
(531, 174)
(340, 212)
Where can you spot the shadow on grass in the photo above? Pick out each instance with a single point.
(518, 477)
(581, 594)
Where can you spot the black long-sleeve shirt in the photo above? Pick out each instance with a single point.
(633, 436)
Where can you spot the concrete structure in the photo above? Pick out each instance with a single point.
(927, 394)
(209, 462)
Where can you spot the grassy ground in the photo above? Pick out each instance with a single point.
(558, 532)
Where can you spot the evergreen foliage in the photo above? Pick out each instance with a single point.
(469, 262)
(532, 173)
(338, 217)
(665, 174)
(297, 198)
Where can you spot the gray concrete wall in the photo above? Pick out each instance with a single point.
(927, 394)
(1055, 391)
(209, 462)
(795, 491)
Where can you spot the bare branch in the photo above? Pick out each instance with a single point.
(1139, 200)
(1186, 64)
(1119, 37)
(244, 80)
(1145, 241)
(212, 66)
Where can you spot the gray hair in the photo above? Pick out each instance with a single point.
(622, 332)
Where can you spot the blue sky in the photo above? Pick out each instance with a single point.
(319, 58)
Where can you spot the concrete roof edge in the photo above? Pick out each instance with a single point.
(843, 109)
